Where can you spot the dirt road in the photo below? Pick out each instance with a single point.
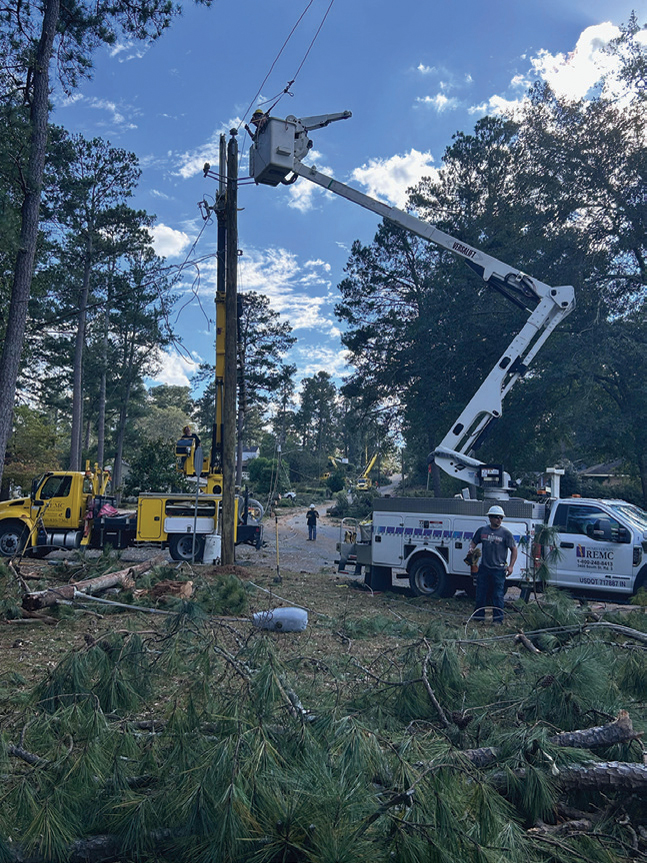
(295, 552)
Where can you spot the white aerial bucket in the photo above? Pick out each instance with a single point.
(212, 548)
(282, 619)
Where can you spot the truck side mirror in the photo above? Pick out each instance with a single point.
(624, 535)
(602, 531)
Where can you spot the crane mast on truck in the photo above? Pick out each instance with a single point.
(276, 155)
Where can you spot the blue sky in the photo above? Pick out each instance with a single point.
(411, 72)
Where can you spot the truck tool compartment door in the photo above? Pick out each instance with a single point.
(596, 549)
(387, 539)
(426, 530)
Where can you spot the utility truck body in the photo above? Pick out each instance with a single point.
(601, 544)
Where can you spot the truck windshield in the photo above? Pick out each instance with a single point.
(634, 514)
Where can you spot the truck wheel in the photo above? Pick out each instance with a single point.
(13, 538)
(181, 546)
(427, 577)
(641, 581)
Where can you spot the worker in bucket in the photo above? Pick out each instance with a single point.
(495, 541)
(311, 520)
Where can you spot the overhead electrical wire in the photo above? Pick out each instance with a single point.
(274, 100)
(275, 61)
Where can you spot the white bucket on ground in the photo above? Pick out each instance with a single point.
(212, 548)
(282, 619)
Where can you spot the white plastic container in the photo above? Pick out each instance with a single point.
(212, 548)
(282, 619)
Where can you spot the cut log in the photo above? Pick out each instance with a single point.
(124, 577)
(619, 731)
(605, 776)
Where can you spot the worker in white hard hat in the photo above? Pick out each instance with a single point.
(495, 541)
(311, 520)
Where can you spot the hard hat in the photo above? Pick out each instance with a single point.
(312, 506)
(258, 113)
(496, 510)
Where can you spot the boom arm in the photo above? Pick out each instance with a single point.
(275, 157)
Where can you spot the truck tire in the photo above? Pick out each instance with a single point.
(641, 581)
(378, 577)
(427, 577)
(181, 546)
(13, 538)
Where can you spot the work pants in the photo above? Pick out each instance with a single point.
(312, 531)
(490, 587)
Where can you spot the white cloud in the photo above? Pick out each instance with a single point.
(389, 179)
(426, 70)
(167, 241)
(117, 113)
(573, 75)
(497, 105)
(311, 360)
(300, 294)
(130, 50)
(176, 369)
(192, 162)
(570, 76)
(440, 102)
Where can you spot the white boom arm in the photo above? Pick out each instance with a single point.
(275, 157)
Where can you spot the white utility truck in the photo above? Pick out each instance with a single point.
(602, 543)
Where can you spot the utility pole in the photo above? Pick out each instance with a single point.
(229, 516)
(215, 465)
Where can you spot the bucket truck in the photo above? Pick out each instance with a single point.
(602, 542)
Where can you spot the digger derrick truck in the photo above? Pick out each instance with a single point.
(75, 509)
(603, 543)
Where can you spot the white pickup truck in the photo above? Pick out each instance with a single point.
(602, 544)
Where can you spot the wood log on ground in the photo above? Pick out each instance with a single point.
(605, 776)
(124, 577)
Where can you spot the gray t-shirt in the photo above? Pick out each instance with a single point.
(495, 542)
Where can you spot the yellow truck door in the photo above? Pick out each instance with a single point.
(63, 502)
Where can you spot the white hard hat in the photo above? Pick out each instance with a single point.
(496, 510)
(312, 506)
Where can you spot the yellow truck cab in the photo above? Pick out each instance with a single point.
(58, 512)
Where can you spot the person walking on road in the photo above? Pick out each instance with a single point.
(311, 519)
(495, 540)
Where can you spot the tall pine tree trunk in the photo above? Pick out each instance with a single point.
(77, 389)
(123, 417)
(103, 382)
(24, 270)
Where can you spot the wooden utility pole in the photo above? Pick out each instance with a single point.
(231, 338)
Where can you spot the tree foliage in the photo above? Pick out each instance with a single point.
(559, 192)
(204, 739)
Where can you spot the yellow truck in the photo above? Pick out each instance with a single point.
(74, 509)
(364, 481)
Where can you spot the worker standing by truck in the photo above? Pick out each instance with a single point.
(495, 540)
